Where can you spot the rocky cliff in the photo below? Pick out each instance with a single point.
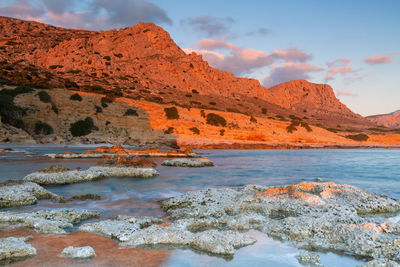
(391, 120)
(144, 65)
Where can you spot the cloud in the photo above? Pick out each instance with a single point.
(338, 66)
(345, 93)
(23, 9)
(290, 71)
(241, 61)
(373, 60)
(211, 26)
(97, 14)
(260, 31)
(339, 62)
(292, 54)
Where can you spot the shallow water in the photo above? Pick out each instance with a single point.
(375, 170)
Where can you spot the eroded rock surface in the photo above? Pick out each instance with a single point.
(185, 162)
(47, 221)
(17, 193)
(93, 173)
(381, 263)
(147, 231)
(78, 252)
(323, 216)
(309, 259)
(15, 249)
(117, 150)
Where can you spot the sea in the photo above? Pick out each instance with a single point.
(375, 170)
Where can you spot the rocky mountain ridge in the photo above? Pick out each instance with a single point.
(391, 120)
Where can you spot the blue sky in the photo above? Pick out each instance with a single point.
(272, 41)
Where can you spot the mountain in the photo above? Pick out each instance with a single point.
(142, 67)
(391, 120)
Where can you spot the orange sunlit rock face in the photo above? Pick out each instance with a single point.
(108, 252)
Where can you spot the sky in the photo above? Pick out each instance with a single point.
(353, 45)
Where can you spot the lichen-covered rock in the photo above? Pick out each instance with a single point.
(47, 221)
(15, 249)
(309, 259)
(185, 162)
(17, 193)
(381, 263)
(91, 174)
(146, 231)
(79, 252)
(323, 216)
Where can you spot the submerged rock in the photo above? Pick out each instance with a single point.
(15, 249)
(324, 216)
(309, 259)
(79, 252)
(185, 162)
(381, 263)
(93, 173)
(147, 231)
(18, 193)
(47, 221)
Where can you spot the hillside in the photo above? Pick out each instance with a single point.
(391, 120)
(142, 66)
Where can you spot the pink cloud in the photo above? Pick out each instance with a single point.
(339, 61)
(290, 71)
(292, 54)
(239, 60)
(345, 93)
(344, 69)
(373, 60)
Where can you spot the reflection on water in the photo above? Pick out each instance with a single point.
(374, 170)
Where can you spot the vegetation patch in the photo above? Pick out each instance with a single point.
(55, 109)
(195, 130)
(82, 127)
(291, 128)
(131, 112)
(171, 113)
(170, 130)
(105, 101)
(306, 126)
(43, 128)
(252, 119)
(264, 111)
(76, 97)
(216, 120)
(98, 109)
(358, 137)
(44, 97)
(222, 132)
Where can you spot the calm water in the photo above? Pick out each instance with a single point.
(375, 170)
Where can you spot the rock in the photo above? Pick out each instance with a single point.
(93, 173)
(309, 259)
(184, 162)
(18, 193)
(117, 150)
(381, 263)
(15, 249)
(318, 179)
(79, 252)
(47, 221)
(54, 169)
(146, 231)
(318, 216)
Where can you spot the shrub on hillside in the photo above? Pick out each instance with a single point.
(43, 128)
(131, 112)
(264, 111)
(222, 132)
(44, 97)
(195, 130)
(82, 127)
(216, 120)
(170, 130)
(358, 137)
(76, 97)
(291, 128)
(105, 101)
(98, 109)
(55, 109)
(306, 126)
(252, 119)
(171, 113)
